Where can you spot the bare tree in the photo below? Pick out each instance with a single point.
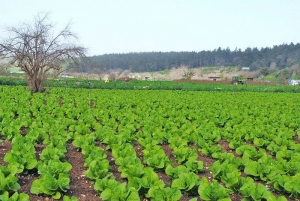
(38, 50)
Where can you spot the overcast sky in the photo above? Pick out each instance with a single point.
(122, 26)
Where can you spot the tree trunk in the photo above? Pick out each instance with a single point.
(36, 84)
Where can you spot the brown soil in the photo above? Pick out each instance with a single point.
(5, 147)
(296, 137)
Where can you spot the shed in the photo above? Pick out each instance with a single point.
(214, 78)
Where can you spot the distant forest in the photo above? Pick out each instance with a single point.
(280, 55)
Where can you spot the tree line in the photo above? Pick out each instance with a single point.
(282, 56)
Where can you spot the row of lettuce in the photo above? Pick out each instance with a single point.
(260, 128)
(155, 85)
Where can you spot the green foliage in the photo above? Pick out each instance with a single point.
(120, 193)
(49, 185)
(155, 157)
(184, 153)
(195, 166)
(213, 191)
(130, 167)
(123, 150)
(189, 182)
(54, 167)
(67, 198)
(135, 125)
(8, 179)
(52, 153)
(261, 170)
(283, 55)
(252, 192)
(292, 185)
(97, 169)
(167, 194)
(176, 171)
(22, 155)
(220, 169)
(188, 74)
(92, 153)
(106, 182)
(147, 182)
(112, 190)
(15, 197)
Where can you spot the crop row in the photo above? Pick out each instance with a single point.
(67, 83)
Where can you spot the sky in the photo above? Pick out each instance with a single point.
(124, 26)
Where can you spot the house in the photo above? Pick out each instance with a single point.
(245, 68)
(17, 74)
(294, 82)
(65, 75)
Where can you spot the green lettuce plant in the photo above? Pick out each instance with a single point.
(177, 141)
(259, 192)
(98, 169)
(209, 150)
(15, 197)
(8, 179)
(123, 150)
(232, 180)
(67, 198)
(146, 141)
(194, 166)
(121, 193)
(219, 169)
(92, 153)
(83, 141)
(49, 185)
(130, 167)
(57, 140)
(36, 134)
(110, 189)
(292, 167)
(176, 171)
(9, 130)
(184, 153)
(22, 155)
(54, 167)
(53, 153)
(259, 170)
(155, 157)
(148, 181)
(292, 185)
(250, 152)
(213, 191)
(166, 194)
(188, 182)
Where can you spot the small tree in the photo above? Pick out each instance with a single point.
(188, 74)
(37, 50)
(222, 76)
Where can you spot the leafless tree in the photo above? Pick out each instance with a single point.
(38, 50)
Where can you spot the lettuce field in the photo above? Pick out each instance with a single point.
(160, 145)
